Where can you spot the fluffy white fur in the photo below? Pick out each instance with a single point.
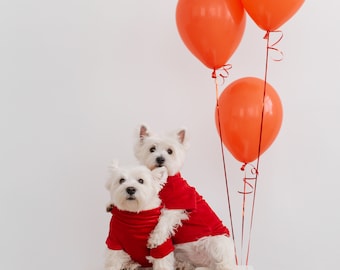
(135, 189)
(168, 150)
(139, 178)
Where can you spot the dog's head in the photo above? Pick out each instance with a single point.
(135, 189)
(168, 150)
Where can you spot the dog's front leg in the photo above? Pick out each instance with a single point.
(118, 260)
(168, 222)
(165, 263)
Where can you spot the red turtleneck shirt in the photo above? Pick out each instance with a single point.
(130, 232)
(177, 194)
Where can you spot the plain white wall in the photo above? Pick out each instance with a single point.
(78, 77)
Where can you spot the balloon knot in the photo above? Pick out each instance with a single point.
(266, 36)
(243, 166)
(223, 72)
(213, 74)
(250, 174)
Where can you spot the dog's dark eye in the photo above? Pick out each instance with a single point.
(170, 151)
(141, 181)
(153, 149)
(121, 180)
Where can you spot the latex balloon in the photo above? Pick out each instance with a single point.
(211, 29)
(239, 113)
(271, 14)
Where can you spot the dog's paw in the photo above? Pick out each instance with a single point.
(152, 244)
(109, 208)
(184, 266)
(155, 240)
(131, 266)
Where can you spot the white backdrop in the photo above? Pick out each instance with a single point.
(78, 77)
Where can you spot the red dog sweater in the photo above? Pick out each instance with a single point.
(177, 194)
(130, 231)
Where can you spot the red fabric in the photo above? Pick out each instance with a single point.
(177, 194)
(130, 231)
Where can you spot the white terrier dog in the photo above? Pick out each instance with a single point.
(200, 238)
(135, 207)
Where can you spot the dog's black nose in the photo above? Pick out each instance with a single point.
(160, 160)
(131, 190)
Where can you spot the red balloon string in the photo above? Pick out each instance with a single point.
(224, 163)
(254, 187)
(248, 188)
(246, 180)
(272, 46)
(223, 72)
(249, 181)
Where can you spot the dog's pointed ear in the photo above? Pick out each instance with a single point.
(114, 165)
(182, 136)
(160, 174)
(143, 132)
(108, 183)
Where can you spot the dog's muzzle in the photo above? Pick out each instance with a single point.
(131, 191)
(160, 161)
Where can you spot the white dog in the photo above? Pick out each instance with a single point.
(135, 208)
(200, 238)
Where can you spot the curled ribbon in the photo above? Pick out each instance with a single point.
(272, 46)
(248, 188)
(248, 169)
(223, 72)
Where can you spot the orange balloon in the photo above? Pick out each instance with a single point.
(239, 114)
(211, 29)
(271, 14)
